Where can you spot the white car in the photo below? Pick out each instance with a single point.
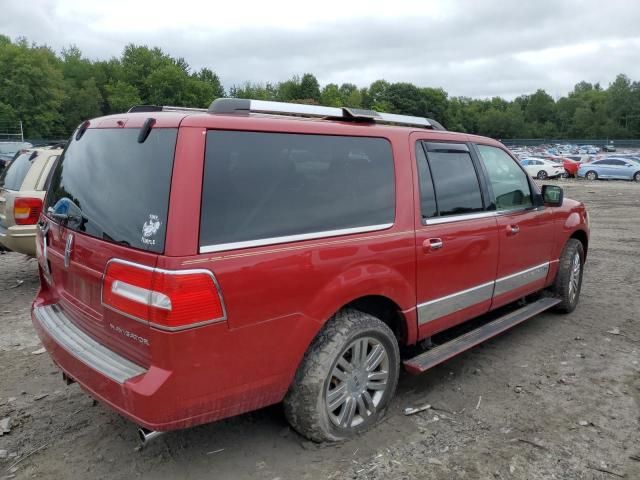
(542, 169)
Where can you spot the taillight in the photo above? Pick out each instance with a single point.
(26, 211)
(167, 299)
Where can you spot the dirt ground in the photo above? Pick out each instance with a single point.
(557, 397)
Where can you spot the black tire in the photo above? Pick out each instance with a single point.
(305, 405)
(567, 287)
(636, 177)
(542, 175)
(565, 174)
(591, 175)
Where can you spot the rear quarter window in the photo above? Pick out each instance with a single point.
(262, 188)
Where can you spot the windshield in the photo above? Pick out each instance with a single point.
(111, 187)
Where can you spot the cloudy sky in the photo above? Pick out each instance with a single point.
(475, 48)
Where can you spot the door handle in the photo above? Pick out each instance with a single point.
(513, 229)
(431, 244)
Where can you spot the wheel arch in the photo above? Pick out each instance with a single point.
(582, 236)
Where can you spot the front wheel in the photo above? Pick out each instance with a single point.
(591, 175)
(346, 379)
(542, 175)
(569, 278)
(636, 177)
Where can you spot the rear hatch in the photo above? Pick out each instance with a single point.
(107, 198)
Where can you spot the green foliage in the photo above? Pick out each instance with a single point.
(52, 94)
(121, 96)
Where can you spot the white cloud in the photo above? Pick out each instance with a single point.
(466, 47)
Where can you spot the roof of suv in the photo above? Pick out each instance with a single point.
(270, 122)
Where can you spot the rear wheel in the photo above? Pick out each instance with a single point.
(636, 177)
(565, 174)
(591, 175)
(542, 175)
(346, 380)
(569, 278)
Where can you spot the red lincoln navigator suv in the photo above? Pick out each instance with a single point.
(200, 264)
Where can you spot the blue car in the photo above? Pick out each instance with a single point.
(614, 168)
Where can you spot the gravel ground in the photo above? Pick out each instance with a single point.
(557, 397)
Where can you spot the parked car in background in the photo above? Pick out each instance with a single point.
(588, 149)
(610, 168)
(22, 193)
(542, 168)
(579, 158)
(243, 256)
(608, 147)
(570, 166)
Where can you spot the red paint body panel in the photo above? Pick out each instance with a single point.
(278, 297)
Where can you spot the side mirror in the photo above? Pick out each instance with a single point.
(552, 195)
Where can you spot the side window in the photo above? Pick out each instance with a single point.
(428, 205)
(524, 163)
(456, 182)
(259, 187)
(509, 183)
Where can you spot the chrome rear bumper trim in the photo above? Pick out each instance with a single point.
(85, 348)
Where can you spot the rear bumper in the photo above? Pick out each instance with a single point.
(155, 398)
(133, 391)
(19, 238)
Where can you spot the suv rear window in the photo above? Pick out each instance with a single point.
(260, 187)
(14, 175)
(114, 188)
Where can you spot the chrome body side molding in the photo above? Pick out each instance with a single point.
(440, 307)
(520, 279)
(291, 238)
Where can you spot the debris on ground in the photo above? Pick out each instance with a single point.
(413, 410)
(41, 396)
(5, 425)
(215, 451)
(614, 331)
(40, 351)
(479, 402)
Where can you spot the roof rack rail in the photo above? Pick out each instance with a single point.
(163, 108)
(241, 105)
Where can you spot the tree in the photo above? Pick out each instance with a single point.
(207, 76)
(140, 62)
(81, 103)
(309, 88)
(540, 108)
(32, 85)
(167, 86)
(330, 96)
(121, 96)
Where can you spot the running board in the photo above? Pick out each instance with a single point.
(441, 353)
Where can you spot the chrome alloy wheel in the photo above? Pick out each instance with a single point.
(574, 277)
(357, 383)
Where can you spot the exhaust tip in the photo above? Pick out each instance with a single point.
(145, 435)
